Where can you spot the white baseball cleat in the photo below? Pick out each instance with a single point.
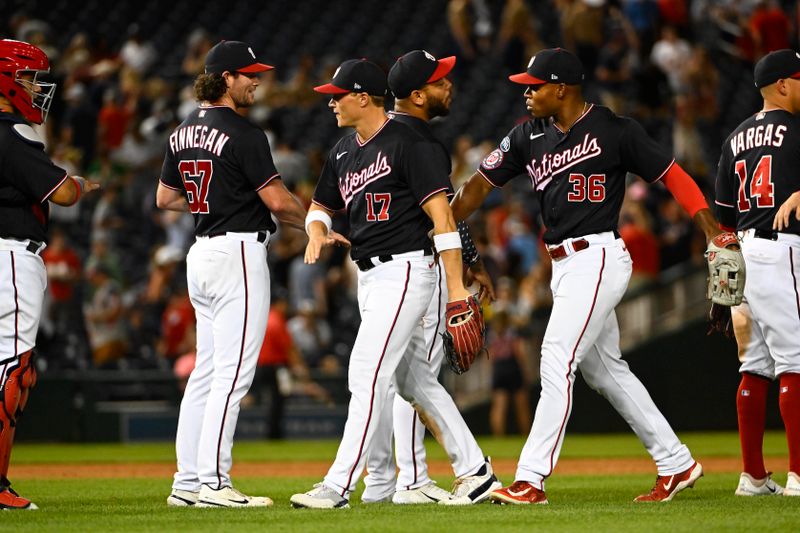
(430, 493)
(469, 490)
(320, 497)
(229, 497)
(750, 486)
(792, 485)
(182, 498)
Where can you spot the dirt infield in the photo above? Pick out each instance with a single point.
(505, 467)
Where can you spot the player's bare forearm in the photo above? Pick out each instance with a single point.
(790, 207)
(706, 221)
(440, 213)
(283, 204)
(170, 199)
(470, 196)
(71, 190)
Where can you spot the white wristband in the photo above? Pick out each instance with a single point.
(320, 216)
(80, 182)
(447, 241)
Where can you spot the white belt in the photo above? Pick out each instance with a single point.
(777, 236)
(247, 236)
(24, 245)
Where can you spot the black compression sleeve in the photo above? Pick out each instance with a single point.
(469, 252)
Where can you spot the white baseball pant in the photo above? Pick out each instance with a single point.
(23, 280)
(583, 333)
(229, 289)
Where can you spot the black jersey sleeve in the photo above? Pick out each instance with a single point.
(327, 193)
(508, 160)
(28, 169)
(724, 191)
(640, 154)
(252, 153)
(170, 177)
(425, 170)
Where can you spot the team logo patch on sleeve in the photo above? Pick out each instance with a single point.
(505, 144)
(493, 160)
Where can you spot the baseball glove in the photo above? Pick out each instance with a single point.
(726, 272)
(464, 334)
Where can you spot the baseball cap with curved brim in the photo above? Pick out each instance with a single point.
(416, 69)
(356, 76)
(553, 65)
(233, 56)
(777, 65)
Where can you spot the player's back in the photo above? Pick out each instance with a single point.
(221, 160)
(760, 169)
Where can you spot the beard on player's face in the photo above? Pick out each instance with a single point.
(438, 108)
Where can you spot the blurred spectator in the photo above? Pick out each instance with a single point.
(113, 120)
(80, 122)
(63, 275)
(671, 54)
(103, 256)
(644, 17)
(517, 39)
(178, 335)
(687, 144)
(509, 379)
(675, 232)
(770, 28)
(613, 72)
(198, 44)
(582, 28)
(137, 53)
(470, 26)
(635, 228)
(311, 334)
(104, 318)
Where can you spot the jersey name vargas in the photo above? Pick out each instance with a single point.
(198, 137)
(352, 182)
(552, 164)
(753, 137)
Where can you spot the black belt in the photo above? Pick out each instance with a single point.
(33, 246)
(368, 264)
(764, 234)
(262, 235)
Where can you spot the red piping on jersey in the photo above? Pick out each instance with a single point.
(238, 367)
(684, 189)
(722, 204)
(437, 191)
(487, 179)
(46, 196)
(375, 379)
(269, 180)
(569, 366)
(591, 106)
(332, 210)
(665, 171)
(170, 186)
(358, 139)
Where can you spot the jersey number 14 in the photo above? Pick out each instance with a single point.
(196, 175)
(761, 187)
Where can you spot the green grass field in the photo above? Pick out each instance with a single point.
(578, 502)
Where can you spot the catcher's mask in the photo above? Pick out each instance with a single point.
(21, 65)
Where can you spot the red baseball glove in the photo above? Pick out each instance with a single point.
(465, 333)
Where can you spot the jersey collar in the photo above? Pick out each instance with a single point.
(358, 139)
(586, 112)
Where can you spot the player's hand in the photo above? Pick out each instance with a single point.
(791, 205)
(86, 185)
(719, 320)
(477, 273)
(339, 239)
(314, 248)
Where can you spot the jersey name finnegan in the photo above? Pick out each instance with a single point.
(756, 136)
(198, 137)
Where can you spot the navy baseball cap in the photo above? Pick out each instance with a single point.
(553, 65)
(777, 65)
(356, 76)
(233, 56)
(416, 69)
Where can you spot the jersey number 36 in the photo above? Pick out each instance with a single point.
(592, 188)
(196, 175)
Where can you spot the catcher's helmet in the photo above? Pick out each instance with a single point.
(20, 66)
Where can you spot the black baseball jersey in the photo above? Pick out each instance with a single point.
(382, 183)
(424, 129)
(221, 160)
(578, 175)
(27, 179)
(758, 170)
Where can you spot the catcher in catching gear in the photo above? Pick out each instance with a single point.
(465, 333)
(726, 278)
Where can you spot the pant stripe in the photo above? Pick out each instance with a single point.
(794, 278)
(375, 380)
(413, 448)
(572, 360)
(238, 367)
(16, 304)
(439, 314)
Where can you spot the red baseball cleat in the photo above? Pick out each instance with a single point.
(667, 487)
(10, 500)
(519, 493)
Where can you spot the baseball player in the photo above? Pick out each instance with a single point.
(759, 170)
(28, 180)
(576, 155)
(422, 92)
(392, 184)
(218, 166)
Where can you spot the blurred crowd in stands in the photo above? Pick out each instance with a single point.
(117, 292)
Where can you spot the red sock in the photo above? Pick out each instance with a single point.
(751, 406)
(789, 400)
